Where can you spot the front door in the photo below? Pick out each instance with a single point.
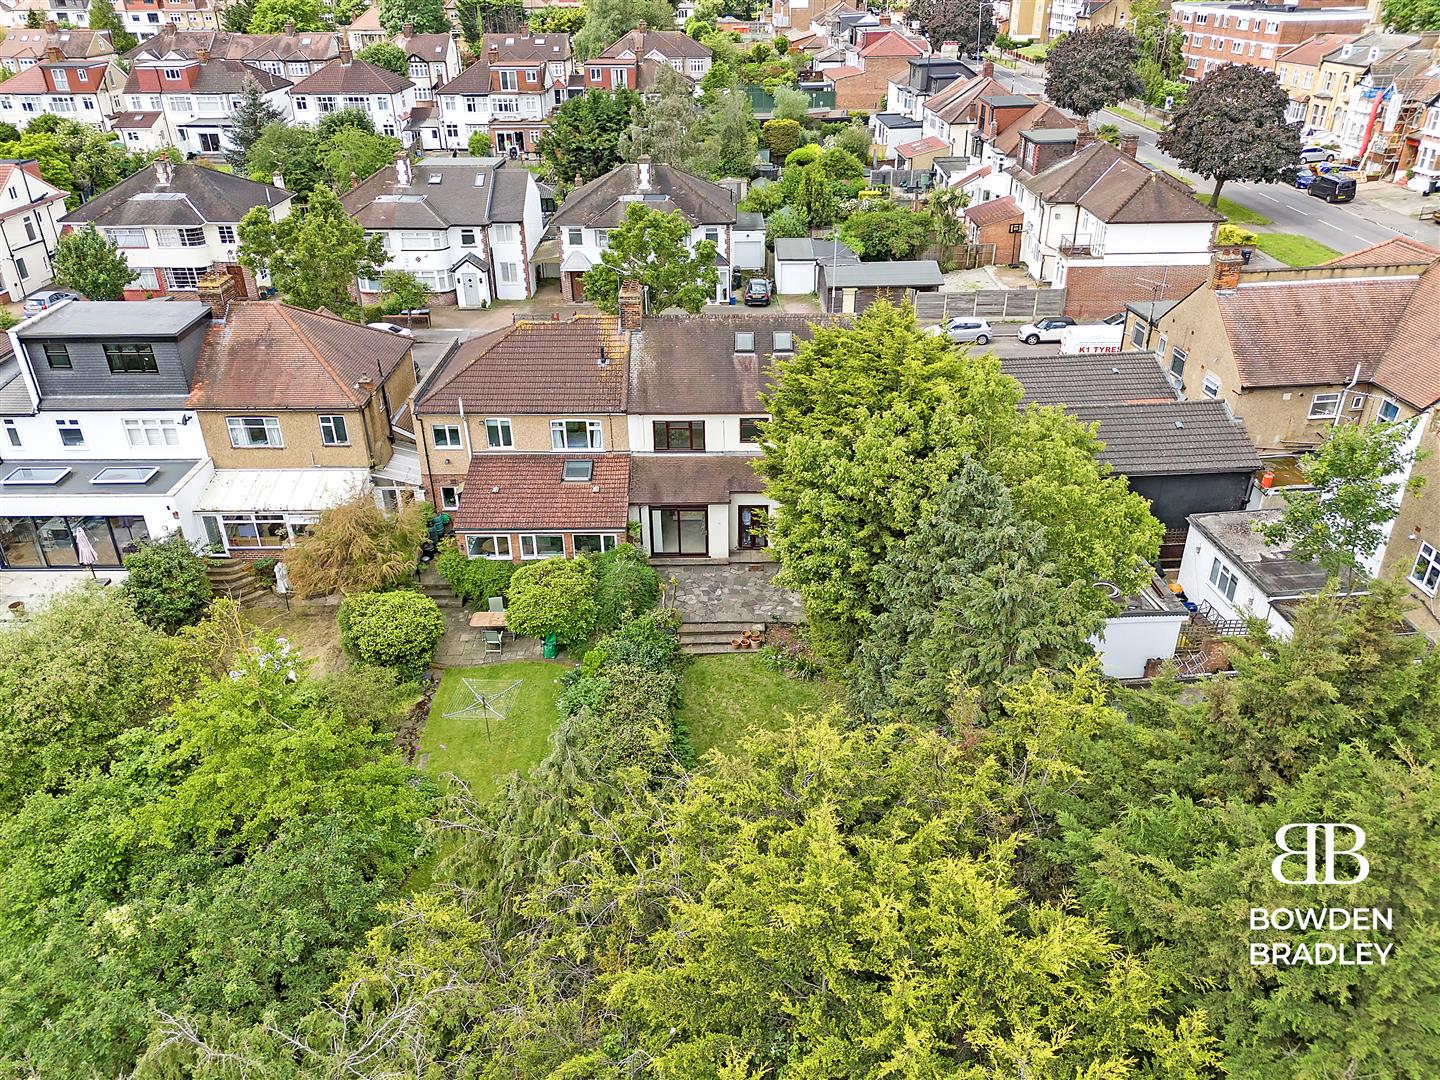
(470, 293)
(676, 530)
(754, 521)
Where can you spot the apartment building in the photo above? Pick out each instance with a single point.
(1254, 33)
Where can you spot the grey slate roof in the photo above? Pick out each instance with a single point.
(217, 76)
(806, 249)
(1270, 566)
(114, 318)
(896, 120)
(1170, 439)
(15, 397)
(910, 273)
(381, 203)
(680, 364)
(602, 202)
(1091, 379)
(206, 195)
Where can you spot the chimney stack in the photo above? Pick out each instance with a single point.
(403, 173)
(642, 165)
(289, 26)
(354, 181)
(1130, 145)
(642, 27)
(632, 304)
(1225, 266)
(54, 54)
(1083, 138)
(987, 69)
(278, 180)
(203, 55)
(407, 30)
(164, 171)
(51, 26)
(345, 55)
(216, 287)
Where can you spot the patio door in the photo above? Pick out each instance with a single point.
(678, 530)
(754, 520)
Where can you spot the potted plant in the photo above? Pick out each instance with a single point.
(1234, 236)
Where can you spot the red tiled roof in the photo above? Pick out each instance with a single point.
(1309, 53)
(1397, 251)
(356, 77)
(272, 355)
(1410, 367)
(528, 491)
(841, 72)
(1097, 292)
(994, 212)
(1278, 340)
(535, 366)
(927, 145)
(893, 44)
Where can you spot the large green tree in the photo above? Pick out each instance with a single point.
(92, 265)
(607, 20)
(727, 140)
(291, 152)
(354, 154)
(387, 55)
(1232, 127)
(103, 16)
(314, 256)
(75, 157)
(881, 406)
(969, 22)
(967, 604)
(1090, 70)
(583, 136)
(882, 231)
(653, 247)
(1411, 16)
(666, 130)
(1354, 481)
(270, 16)
(427, 16)
(247, 123)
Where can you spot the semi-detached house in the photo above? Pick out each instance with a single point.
(30, 213)
(466, 227)
(186, 100)
(508, 94)
(346, 83)
(82, 89)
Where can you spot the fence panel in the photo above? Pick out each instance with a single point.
(1019, 304)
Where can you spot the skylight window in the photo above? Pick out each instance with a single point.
(744, 341)
(434, 178)
(784, 341)
(36, 475)
(122, 474)
(579, 470)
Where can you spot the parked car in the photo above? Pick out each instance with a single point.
(1032, 333)
(1332, 188)
(38, 302)
(965, 330)
(757, 292)
(392, 328)
(1318, 153)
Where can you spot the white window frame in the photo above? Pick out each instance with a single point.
(239, 425)
(594, 433)
(530, 551)
(145, 432)
(503, 232)
(499, 434)
(449, 497)
(73, 426)
(1330, 410)
(1425, 574)
(472, 546)
(451, 432)
(1224, 579)
(1210, 386)
(1392, 407)
(329, 431)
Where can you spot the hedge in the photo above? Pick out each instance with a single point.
(396, 630)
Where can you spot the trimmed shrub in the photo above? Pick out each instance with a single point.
(556, 596)
(626, 585)
(650, 641)
(780, 137)
(396, 630)
(803, 155)
(167, 585)
(474, 580)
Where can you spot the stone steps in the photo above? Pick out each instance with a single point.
(708, 638)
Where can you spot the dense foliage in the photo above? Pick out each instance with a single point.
(91, 264)
(1090, 70)
(554, 596)
(167, 584)
(475, 581)
(397, 630)
(653, 247)
(582, 138)
(357, 547)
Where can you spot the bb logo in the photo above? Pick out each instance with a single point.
(1320, 836)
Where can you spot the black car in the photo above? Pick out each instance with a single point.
(1332, 189)
(757, 292)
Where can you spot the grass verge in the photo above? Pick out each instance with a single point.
(724, 696)
(461, 744)
(1232, 211)
(1136, 118)
(1295, 250)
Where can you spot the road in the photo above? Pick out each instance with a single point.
(1290, 210)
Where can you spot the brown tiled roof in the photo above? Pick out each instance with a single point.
(274, 356)
(431, 48)
(671, 44)
(894, 43)
(217, 76)
(301, 45)
(1397, 251)
(994, 211)
(534, 366)
(1097, 292)
(1118, 189)
(1043, 115)
(956, 100)
(1410, 367)
(657, 479)
(475, 79)
(356, 77)
(528, 491)
(602, 202)
(681, 364)
(1307, 332)
(74, 44)
(1309, 53)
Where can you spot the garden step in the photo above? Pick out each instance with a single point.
(708, 648)
(732, 628)
(709, 637)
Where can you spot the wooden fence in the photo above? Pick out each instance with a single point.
(1020, 304)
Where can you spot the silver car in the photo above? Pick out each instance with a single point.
(964, 330)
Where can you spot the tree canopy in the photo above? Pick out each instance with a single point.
(653, 247)
(92, 265)
(583, 136)
(969, 22)
(1089, 70)
(1232, 127)
(427, 16)
(270, 16)
(607, 20)
(387, 55)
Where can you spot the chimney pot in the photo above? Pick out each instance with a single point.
(642, 27)
(1083, 138)
(289, 26)
(407, 30)
(203, 55)
(345, 55)
(51, 26)
(1130, 145)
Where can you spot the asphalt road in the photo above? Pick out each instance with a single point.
(1344, 228)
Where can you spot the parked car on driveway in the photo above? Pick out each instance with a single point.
(1033, 333)
(1318, 153)
(38, 302)
(965, 330)
(757, 292)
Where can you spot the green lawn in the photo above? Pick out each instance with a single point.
(460, 744)
(724, 696)
(1233, 212)
(1294, 250)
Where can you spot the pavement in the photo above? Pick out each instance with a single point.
(1376, 215)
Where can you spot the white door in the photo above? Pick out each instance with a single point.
(470, 291)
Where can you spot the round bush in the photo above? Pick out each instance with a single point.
(474, 580)
(804, 155)
(391, 629)
(627, 585)
(167, 585)
(557, 597)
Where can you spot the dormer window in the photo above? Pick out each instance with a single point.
(171, 74)
(130, 357)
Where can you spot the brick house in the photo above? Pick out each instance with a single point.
(1218, 33)
(85, 90)
(299, 411)
(631, 62)
(508, 94)
(998, 224)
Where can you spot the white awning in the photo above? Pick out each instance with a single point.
(575, 261)
(402, 468)
(234, 490)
